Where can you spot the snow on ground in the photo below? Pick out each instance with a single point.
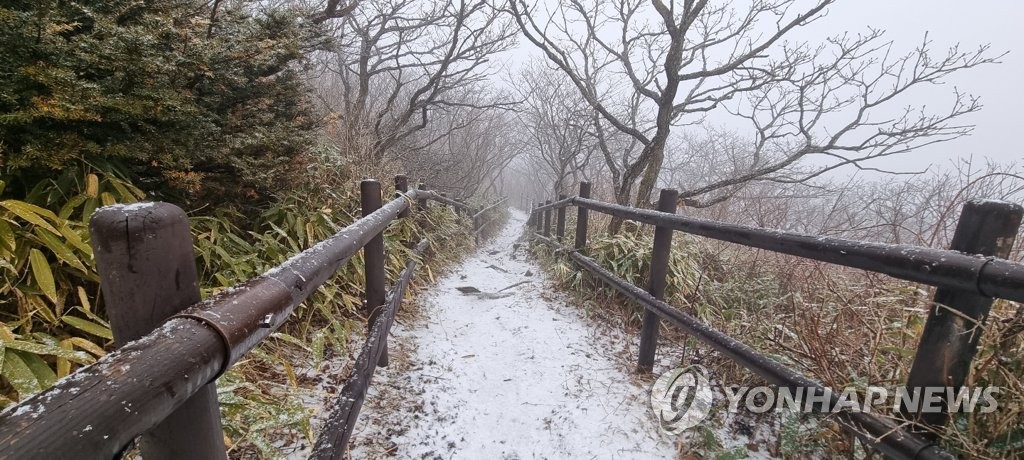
(506, 372)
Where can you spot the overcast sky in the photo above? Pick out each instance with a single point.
(997, 22)
(1000, 122)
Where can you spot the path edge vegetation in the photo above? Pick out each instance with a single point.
(839, 326)
(54, 321)
(209, 109)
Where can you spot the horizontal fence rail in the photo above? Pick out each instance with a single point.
(990, 277)
(98, 410)
(343, 415)
(479, 224)
(966, 282)
(448, 201)
(900, 444)
(481, 212)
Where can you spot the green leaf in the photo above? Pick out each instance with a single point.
(19, 375)
(44, 338)
(223, 280)
(224, 255)
(43, 275)
(239, 241)
(89, 314)
(75, 239)
(69, 207)
(44, 375)
(90, 206)
(61, 250)
(122, 193)
(31, 213)
(87, 346)
(7, 239)
(88, 326)
(36, 348)
(291, 339)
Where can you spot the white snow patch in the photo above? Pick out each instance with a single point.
(495, 376)
(132, 207)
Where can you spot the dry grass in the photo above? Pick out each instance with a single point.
(839, 326)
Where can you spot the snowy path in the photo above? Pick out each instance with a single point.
(515, 374)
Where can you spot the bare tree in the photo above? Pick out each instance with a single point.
(398, 62)
(473, 148)
(332, 9)
(920, 209)
(647, 66)
(555, 118)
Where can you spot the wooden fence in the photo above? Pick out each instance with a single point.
(159, 383)
(969, 276)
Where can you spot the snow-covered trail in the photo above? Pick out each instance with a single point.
(508, 372)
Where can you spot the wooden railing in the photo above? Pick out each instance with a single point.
(159, 383)
(968, 276)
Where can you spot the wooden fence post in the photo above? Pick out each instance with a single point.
(476, 226)
(560, 225)
(422, 203)
(581, 218)
(954, 325)
(446, 205)
(539, 219)
(373, 260)
(147, 271)
(656, 282)
(402, 186)
(547, 219)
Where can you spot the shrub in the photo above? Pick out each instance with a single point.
(49, 287)
(206, 104)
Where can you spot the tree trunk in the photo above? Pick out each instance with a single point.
(622, 198)
(650, 177)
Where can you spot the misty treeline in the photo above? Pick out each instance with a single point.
(922, 209)
(212, 101)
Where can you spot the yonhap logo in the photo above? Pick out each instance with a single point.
(681, 398)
